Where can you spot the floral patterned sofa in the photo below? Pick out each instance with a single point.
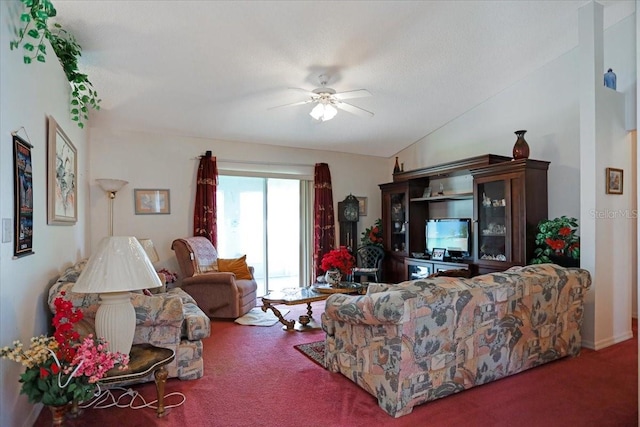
(421, 340)
(171, 320)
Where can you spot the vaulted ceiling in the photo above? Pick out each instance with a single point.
(214, 69)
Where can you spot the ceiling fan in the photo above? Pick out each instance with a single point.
(327, 101)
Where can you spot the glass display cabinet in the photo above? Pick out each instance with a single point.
(493, 222)
(402, 227)
(509, 200)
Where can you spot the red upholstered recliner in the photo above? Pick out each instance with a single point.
(218, 294)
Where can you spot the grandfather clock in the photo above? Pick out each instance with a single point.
(348, 215)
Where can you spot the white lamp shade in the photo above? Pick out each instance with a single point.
(111, 185)
(119, 264)
(150, 250)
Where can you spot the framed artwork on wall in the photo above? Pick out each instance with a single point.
(62, 175)
(362, 205)
(614, 181)
(23, 197)
(151, 201)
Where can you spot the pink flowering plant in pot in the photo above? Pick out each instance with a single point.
(65, 367)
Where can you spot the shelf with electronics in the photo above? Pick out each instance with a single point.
(503, 198)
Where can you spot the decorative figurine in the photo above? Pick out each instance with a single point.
(610, 79)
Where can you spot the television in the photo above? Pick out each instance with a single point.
(452, 234)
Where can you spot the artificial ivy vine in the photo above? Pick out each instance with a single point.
(35, 30)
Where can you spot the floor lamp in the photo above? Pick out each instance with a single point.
(111, 186)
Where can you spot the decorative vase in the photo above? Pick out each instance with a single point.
(396, 167)
(58, 412)
(521, 148)
(333, 277)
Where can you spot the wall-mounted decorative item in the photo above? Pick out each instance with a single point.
(614, 181)
(62, 173)
(151, 201)
(23, 199)
(362, 205)
(437, 254)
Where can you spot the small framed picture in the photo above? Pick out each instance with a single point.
(437, 254)
(151, 201)
(362, 205)
(614, 181)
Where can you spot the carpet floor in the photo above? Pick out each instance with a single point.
(254, 376)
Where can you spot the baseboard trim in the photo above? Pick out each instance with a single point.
(607, 342)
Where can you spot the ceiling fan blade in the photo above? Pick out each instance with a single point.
(293, 104)
(305, 91)
(353, 109)
(358, 93)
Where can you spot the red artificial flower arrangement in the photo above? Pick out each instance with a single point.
(340, 259)
(372, 235)
(557, 237)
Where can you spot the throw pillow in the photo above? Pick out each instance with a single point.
(237, 266)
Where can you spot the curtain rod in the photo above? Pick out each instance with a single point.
(250, 162)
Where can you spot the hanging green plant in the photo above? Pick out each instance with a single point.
(35, 28)
(67, 49)
(83, 95)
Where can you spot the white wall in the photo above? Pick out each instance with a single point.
(171, 161)
(28, 94)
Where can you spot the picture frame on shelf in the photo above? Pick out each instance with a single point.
(149, 201)
(437, 254)
(614, 181)
(362, 205)
(62, 175)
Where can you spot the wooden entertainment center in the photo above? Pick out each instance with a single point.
(505, 199)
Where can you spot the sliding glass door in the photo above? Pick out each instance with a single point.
(264, 218)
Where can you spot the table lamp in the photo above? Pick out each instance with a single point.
(119, 265)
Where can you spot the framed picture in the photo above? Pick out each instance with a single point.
(614, 181)
(437, 254)
(362, 204)
(22, 170)
(151, 201)
(62, 173)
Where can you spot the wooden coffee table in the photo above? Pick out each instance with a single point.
(295, 296)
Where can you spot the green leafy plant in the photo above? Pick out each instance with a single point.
(83, 94)
(556, 237)
(36, 29)
(372, 235)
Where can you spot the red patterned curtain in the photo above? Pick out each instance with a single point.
(324, 228)
(204, 215)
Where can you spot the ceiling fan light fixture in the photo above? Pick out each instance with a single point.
(323, 112)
